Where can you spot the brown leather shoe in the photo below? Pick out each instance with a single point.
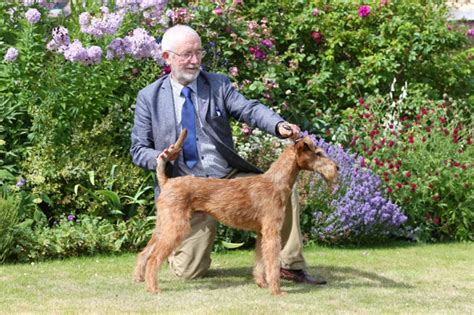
(300, 276)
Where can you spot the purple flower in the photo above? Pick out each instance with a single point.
(60, 40)
(470, 33)
(75, 52)
(94, 54)
(11, 55)
(267, 43)
(257, 53)
(141, 45)
(21, 182)
(71, 218)
(33, 16)
(364, 10)
(358, 209)
(108, 24)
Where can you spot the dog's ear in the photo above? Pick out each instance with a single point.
(305, 144)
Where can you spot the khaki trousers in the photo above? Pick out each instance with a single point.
(193, 258)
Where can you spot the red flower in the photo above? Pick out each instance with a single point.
(317, 37)
(469, 140)
(424, 111)
(428, 129)
(389, 190)
(391, 143)
(442, 120)
(398, 185)
(410, 139)
(456, 164)
(464, 167)
(407, 174)
(436, 220)
(430, 186)
(413, 187)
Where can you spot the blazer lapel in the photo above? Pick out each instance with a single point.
(203, 94)
(166, 113)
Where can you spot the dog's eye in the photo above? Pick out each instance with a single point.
(318, 153)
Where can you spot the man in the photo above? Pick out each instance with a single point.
(203, 103)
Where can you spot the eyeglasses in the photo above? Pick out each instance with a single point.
(188, 55)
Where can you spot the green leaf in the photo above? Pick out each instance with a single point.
(91, 177)
(232, 245)
(112, 196)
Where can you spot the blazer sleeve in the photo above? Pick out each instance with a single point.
(252, 112)
(142, 149)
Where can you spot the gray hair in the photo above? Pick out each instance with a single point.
(175, 34)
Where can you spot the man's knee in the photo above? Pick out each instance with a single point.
(185, 267)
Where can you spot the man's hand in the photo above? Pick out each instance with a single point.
(287, 130)
(166, 155)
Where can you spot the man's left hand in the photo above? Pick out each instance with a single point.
(287, 130)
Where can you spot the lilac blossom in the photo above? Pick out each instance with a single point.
(11, 55)
(107, 24)
(75, 52)
(43, 3)
(358, 208)
(33, 16)
(60, 40)
(141, 45)
(116, 49)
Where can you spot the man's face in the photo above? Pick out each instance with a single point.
(185, 59)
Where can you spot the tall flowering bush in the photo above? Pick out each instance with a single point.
(422, 150)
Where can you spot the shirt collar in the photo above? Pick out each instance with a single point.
(178, 86)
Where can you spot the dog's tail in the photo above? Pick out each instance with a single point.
(165, 156)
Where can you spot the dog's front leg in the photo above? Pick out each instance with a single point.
(271, 247)
(259, 269)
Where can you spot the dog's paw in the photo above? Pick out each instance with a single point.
(261, 283)
(154, 290)
(138, 279)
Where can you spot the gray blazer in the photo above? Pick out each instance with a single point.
(155, 126)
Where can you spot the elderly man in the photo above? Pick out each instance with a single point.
(204, 103)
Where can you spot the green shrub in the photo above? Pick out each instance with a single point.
(422, 149)
(8, 218)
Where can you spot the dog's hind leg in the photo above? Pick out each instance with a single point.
(172, 232)
(259, 269)
(139, 272)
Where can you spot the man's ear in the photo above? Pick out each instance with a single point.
(166, 56)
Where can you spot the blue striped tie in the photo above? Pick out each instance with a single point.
(188, 121)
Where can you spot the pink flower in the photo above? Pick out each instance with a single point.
(246, 130)
(436, 220)
(218, 11)
(315, 12)
(233, 71)
(408, 174)
(364, 10)
(470, 33)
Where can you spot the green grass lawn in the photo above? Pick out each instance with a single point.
(404, 278)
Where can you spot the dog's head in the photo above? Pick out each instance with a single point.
(312, 158)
